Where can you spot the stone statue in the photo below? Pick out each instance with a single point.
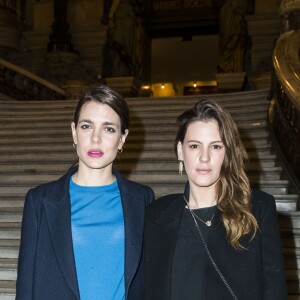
(125, 35)
(60, 10)
(106, 7)
(60, 38)
(232, 36)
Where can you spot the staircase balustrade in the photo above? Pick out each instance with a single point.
(21, 84)
(285, 116)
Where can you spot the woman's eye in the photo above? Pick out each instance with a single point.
(85, 126)
(216, 147)
(110, 129)
(194, 146)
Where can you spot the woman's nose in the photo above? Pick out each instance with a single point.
(96, 137)
(204, 156)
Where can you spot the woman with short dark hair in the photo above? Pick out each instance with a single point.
(82, 234)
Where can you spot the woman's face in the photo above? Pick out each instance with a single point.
(97, 136)
(202, 152)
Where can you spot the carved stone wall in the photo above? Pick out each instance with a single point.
(263, 30)
(87, 36)
(290, 15)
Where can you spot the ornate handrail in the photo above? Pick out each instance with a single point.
(20, 84)
(285, 114)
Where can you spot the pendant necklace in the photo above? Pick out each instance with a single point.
(207, 223)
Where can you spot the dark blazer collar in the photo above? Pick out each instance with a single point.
(171, 209)
(133, 210)
(58, 212)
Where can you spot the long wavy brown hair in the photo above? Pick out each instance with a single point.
(233, 187)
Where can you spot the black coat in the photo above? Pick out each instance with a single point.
(46, 269)
(253, 274)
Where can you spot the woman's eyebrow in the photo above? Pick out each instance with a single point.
(91, 122)
(85, 121)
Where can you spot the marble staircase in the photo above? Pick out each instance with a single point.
(36, 147)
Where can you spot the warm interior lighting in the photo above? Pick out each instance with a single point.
(146, 87)
(162, 85)
(195, 84)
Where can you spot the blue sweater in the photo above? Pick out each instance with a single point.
(98, 241)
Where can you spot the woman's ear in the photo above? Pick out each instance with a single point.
(179, 151)
(123, 139)
(74, 133)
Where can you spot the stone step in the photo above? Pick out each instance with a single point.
(35, 168)
(172, 167)
(9, 248)
(149, 178)
(178, 108)
(291, 258)
(293, 279)
(228, 101)
(291, 237)
(125, 168)
(11, 217)
(253, 119)
(67, 147)
(167, 129)
(283, 202)
(12, 202)
(7, 290)
(257, 98)
(8, 269)
(168, 108)
(257, 158)
(64, 122)
(14, 191)
(152, 155)
(254, 116)
(268, 187)
(261, 94)
(10, 225)
(135, 105)
(153, 141)
(10, 233)
(29, 179)
(287, 204)
(67, 140)
(289, 219)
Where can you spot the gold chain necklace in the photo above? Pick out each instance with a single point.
(208, 251)
(207, 223)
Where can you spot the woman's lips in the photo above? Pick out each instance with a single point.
(95, 153)
(203, 171)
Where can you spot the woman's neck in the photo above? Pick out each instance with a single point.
(93, 177)
(203, 197)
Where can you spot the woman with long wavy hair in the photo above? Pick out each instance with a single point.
(219, 239)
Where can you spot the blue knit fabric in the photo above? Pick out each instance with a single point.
(98, 241)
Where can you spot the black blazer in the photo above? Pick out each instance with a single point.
(253, 274)
(46, 268)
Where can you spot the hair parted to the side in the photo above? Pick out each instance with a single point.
(105, 95)
(233, 188)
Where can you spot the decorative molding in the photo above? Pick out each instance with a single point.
(288, 6)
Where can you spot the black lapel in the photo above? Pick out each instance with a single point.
(58, 212)
(133, 210)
